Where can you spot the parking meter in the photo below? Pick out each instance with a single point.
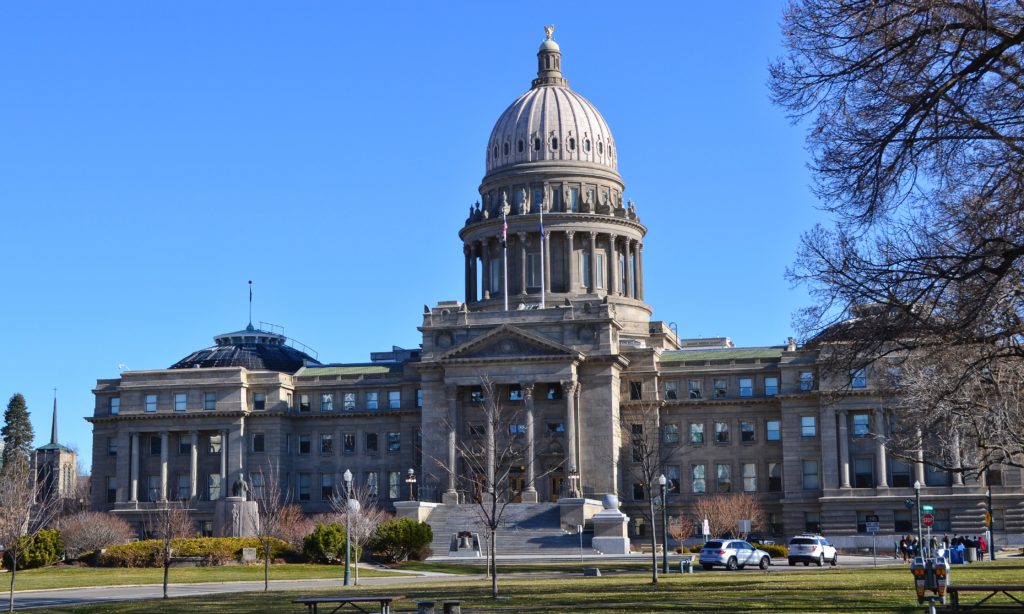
(931, 578)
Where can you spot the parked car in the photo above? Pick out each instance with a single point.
(732, 554)
(759, 540)
(809, 549)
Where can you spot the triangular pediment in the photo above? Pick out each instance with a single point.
(510, 342)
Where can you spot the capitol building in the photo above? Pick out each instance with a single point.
(554, 323)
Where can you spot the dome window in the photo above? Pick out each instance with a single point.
(586, 145)
(536, 144)
(554, 142)
(572, 144)
(600, 148)
(495, 152)
(506, 148)
(520, 146)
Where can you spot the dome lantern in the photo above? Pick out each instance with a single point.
(549, 62)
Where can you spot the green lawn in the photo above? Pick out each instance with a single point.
(477, 568)
(68, 577)
(865, 590)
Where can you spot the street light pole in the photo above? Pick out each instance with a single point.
(917, 499)
(348, 527)
(991, 531)
(664, 523)
(411, 481)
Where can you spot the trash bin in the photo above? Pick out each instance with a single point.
(686, 566)
(972, 554)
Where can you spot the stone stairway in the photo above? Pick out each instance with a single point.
(527, 529)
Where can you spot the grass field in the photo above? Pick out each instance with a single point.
(865, 590)
(70, 577)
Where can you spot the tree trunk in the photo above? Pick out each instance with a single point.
(494, 566)
(355, 572)
(14, 572)
(167, 568)
(654, 545)
(266, 567)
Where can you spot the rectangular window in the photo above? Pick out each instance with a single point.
(806, 381)
(371, 443)
(184, 444)
(810, 473)
(256, 480)
(902, 521)
(933, 476)
(942, 524)
(585, 268)
(671, 391)
(304, 404)
(697, 432)
(394, 485)
(348, 401)
(419, 397)
(858, 378)
(475, 429)
(774, 477)
(258, 443)
(622, 273)
(305, 444)
(747, 432)
(812, 522)
(863, 473)
(861, 425)
(348, 441)
(184, 487)
(215, 443)
(111, 446)
(698, 478)
(290, 400)
(154, 445)
(556, 428)
(636, 391)
(721, 388)
(600, 271)
(180, 401)
(115, 405)
(671, 433)
(111, 489)
(993, 477)
(862, 520)
(638, 491)
(394, 441)
(476, 394)
(326, 401)
(773, 430)
(749, 477)
(394, 399)
(900, 474)
(533, 270)
(554, 392)
(808, 426)
(259, 401)
(304, 484)
(693, 388)
(209, 401)
(371, 400)
(721, 432)
(515, 392)
(326, 487)
(495, 275)
(213, 486)
(371, 483)
(672, 473)
(723, 478)
(326, 443)
(637, 432)
(517, 429)
(746, 387)
(771, 386)
(574, 199)
(150, 402)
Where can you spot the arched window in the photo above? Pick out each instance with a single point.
(554, 142)
(586, 145)
(505, 147)
(600, 148)
(536, 144)
(547, 61)
(495, 152)
(519, 145)
(572, 144)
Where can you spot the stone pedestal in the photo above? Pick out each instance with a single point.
(450, 498)
(415, 510)
(610, 532)
(236, 517)
(577, 512)
(529, 496)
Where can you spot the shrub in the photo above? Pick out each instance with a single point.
(293, 526)
(88, 531)
(776, 551)
(39, 551)
(326, 544)
(212, 550)
(400, 539)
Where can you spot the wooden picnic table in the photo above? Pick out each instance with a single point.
(313, 603)
(992, 590)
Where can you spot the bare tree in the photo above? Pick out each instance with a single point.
(917, 133)
(294, 526)
(165, 523)
(25, 509)
(724, 511)
(88, 531)
(360, 521)
(648, 455)
(271, 498)
(681, 527)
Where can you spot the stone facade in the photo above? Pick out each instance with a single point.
(555, 323)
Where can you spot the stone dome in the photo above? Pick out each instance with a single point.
(254, 349)
(551, 122)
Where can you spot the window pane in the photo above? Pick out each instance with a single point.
(746, 387)
(749, 477)
(696, 432)
(808, 426)
(773, 430)
(699, 484)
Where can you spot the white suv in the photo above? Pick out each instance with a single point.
(809, 549)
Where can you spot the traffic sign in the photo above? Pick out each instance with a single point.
(927, 508)
(909, 503)
(871, 518)
(872, 527)
(927, 520)
(988, 519)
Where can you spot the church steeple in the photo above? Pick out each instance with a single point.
(53, 427)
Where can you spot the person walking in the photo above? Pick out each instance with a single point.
(982, 545)
(903, 548)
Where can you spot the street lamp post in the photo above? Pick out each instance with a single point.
(991, 532)
(348, 527)
(664, 523)
(917, 500)
(411, 481)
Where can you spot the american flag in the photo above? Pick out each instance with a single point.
(504, 228)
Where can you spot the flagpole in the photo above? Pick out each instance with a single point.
(504, 255)
(540, 206)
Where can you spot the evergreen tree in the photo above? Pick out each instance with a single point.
(17, 433)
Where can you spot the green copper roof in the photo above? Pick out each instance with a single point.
(722, 354)
(348, 370)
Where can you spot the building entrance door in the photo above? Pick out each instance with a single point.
(516, 486)
(556, 482)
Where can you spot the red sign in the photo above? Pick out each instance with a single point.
(928, 520)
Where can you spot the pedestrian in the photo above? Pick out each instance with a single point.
(933, 544)
(982, 545)
(945, 541)
(903, 548)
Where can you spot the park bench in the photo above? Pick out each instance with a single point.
(313, 604)
(992, 591)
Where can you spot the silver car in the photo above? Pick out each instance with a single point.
(732, 554)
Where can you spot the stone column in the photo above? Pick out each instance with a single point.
(547, 261)
(521, 242)
(613, 257)
(193, 467)
(451, 395)
(569, 395)
(592, 282)
(844, 450)
(958, 477)
(530, 495)
(639, 270)
(883, 478)
(919, 465)
(123, 466)
(223, 461)
(570, 273)
(485, 279)
(469, 267)
(473, 290)
(628, 244)
(164, 441)
(134, 478)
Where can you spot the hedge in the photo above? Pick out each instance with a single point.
(212, 550)
(43, 549)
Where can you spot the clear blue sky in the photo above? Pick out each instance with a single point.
(156, 156)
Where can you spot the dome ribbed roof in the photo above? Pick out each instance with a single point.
(253, 349)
